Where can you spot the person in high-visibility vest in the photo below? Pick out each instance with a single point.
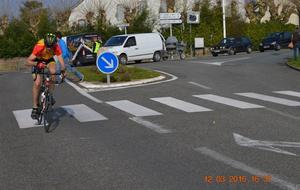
(97, 44)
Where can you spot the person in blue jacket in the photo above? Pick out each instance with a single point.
(67, 55)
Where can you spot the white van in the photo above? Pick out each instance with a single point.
(136, 47)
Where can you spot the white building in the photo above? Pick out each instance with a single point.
(115, 12)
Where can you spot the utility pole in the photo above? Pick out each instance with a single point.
(224, 18)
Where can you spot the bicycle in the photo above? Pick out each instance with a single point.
(45, 97)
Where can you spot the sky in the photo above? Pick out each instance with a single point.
(12, 7)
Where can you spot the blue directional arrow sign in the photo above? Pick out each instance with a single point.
(107, 62)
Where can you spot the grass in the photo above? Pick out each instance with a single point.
(294, 63)
(123, 74)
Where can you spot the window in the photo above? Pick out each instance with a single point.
(245, 40)
(115, 41)
(130, 42)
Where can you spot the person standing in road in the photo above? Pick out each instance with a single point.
(97, 43)
(296, 42)
(66, 54)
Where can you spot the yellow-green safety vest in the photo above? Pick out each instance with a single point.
(97, 47)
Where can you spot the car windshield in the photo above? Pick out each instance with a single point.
(115, 41)
(226, 41)
(274, 35)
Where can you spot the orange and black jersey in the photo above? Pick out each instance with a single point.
(43, 53)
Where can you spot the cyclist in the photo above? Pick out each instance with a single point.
(42, 55)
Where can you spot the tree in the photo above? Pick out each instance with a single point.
(31, 14)
(170, 6)
(61, 11)
(255, 10)
(297, 8)
(235, 22)
(141, 23)
(277, 15)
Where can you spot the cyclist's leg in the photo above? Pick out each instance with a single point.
(35, 96)
(52, 70)
(35, 90)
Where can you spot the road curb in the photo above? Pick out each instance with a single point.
(295, 68)
(89, 85)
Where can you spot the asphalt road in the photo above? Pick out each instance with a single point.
(221, 125)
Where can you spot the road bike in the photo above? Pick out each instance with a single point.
(45, 100)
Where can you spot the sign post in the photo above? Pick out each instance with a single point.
(123, 25)
(107, 63)
(192, 18)
(170, 18)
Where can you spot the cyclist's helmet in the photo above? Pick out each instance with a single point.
(50, 40)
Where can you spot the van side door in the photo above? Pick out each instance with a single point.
(130, 48)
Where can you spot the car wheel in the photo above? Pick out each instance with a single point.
(123, 59)
(231, 51)
(249, 50)
(277, 47)
(157, 56)
(181, 55)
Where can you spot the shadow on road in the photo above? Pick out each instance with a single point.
(55, 118)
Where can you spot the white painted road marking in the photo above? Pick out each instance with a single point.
(212, 63)
(200, 85)
(243, 167)
(133, 108)
(24, 119)
(82, 92)
(83, 113)
(150, 125)
(266, 145)
(290, 93)
(228, 101)
(181, 105)
(272, 99)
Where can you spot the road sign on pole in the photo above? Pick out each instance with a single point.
(169, 16)
(177, 21)
(107, 63)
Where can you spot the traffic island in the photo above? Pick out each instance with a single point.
(294, 64)
(124, 76)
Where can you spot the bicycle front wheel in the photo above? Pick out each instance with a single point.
(46, 113)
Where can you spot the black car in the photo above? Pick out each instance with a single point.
(84, 55)
(232, 46)
(275, 41)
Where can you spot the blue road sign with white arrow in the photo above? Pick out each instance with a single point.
(107, 62)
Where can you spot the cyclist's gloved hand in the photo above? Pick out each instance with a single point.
(41, 65)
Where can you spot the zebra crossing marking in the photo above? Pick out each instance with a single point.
(181, 105)
(272, 99)
(133, 108)
(83, 113)
(288, 92)
(24, 120)
(228, 101)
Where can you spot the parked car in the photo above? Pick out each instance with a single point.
(275, 41)
(136, 47)
(232, 46)
(84, 56)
